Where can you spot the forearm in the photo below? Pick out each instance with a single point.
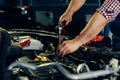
(74, 6)
(94, 26)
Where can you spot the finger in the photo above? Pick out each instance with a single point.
(59, 48)
(67, 23)
(62, 50)
(60, 21)
(65, 52)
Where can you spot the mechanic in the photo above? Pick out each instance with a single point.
(107, 12)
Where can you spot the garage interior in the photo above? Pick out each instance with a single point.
(30, 35)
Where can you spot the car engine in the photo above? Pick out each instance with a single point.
(33, 56)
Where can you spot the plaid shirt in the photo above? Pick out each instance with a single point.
(110, 9)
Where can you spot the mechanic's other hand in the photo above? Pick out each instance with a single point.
(67, 47)
(66, 17)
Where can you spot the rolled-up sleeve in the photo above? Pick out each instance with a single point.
(110, 9)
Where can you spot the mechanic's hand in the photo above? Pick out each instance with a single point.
(66, 17)
(67, 47)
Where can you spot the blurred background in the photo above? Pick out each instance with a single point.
(43, 14)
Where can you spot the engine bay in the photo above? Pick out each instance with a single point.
(33, 56)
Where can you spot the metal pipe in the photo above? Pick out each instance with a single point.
(64, 72)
